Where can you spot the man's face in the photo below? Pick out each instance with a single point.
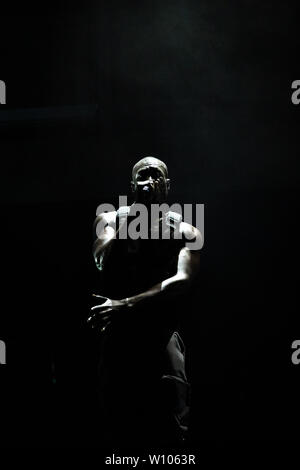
(150, 185)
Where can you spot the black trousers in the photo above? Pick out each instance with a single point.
(144, 395)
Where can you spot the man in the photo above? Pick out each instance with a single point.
(143, 386)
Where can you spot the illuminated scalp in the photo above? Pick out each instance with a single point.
(150, 161)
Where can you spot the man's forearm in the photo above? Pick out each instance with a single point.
(170, 287)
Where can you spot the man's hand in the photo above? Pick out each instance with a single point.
(102, 315)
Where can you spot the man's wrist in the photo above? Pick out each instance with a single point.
(129, 302)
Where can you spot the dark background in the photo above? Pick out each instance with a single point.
(206, 87)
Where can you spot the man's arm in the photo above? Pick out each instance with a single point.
(104, 234)
(187, 268)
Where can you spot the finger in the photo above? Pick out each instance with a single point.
(96, 317)
(101, 312)
(100, 296)
(104, 327)
(101, 325)
(106, 304)
(103, 318)
(93, 320)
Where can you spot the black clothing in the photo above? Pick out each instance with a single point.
(143, 389)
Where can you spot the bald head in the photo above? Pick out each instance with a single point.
(150, 162)
(150, 181)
